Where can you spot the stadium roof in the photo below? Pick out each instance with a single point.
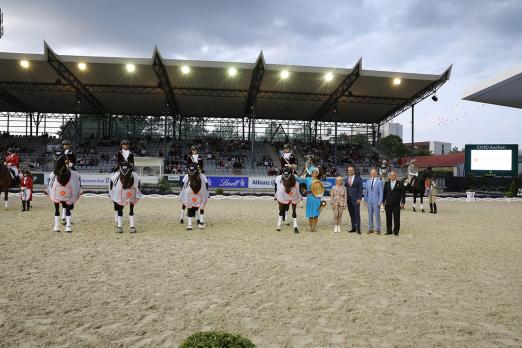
(505, 90)
(50, 84)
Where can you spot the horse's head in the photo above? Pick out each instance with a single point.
(126, 178)
(194, 178)
(288, 180)
(61, 163)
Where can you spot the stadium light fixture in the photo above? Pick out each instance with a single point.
(232, 72)
(130, 68)
(185, 69)
(24, 64)
(328, 77)
(397, 81)
(285, 74)
(82, 66)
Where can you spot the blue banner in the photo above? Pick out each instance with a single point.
(228, 181)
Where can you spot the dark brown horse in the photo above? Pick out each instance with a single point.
(194, 182)
(6, 182)
(62, 173)
(288, 181)
(126, 179)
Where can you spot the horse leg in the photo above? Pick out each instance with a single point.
(131, 219)
(6, 197)
(119, 208)
(282, 211)
(191, 213)
(56, 227)
(67, 208)
(182, 213)
(64, 212)
(421, 195)
(285, 218)
(115, 214)
(294, 216)
(414, 200)
(201, 219)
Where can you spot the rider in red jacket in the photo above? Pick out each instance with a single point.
(26, 190)
(12, 161)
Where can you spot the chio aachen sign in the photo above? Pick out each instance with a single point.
(491, 160)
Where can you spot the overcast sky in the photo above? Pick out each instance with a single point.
(482, 39)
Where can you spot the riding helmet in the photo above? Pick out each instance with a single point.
(66, 142)
(124, 142)
(193, 147)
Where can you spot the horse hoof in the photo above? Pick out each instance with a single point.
(119, 230)
(199, 223)
(422, 210)
(133, 230)
(63, 222)
(189, 228)
(201, 226)
(68, 229)
(181, 221)
(278, 229)
(296, 230)
(414, 209)
(56, 229)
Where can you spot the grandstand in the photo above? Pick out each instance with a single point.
(239, 114)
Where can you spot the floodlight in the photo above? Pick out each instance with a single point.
(232, 72)
(397, 81)
(130, 68)
(82, 66)
(185, 69)
(24, 64)
(328, 77)
(285, 74)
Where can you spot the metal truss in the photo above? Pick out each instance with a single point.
(14, 101)
(62, 71)
(421, 95)
(164, 83)
(255, 84)
(340, 91)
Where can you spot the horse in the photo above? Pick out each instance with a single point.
(124, 188)
(287, 193)
(6, 182)
(64, 187)
(194, 196)
(417, 188)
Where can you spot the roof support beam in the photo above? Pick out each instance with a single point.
(19, 104)
(419, 96)
(255, 84)
(164, 83)
(340, 91)
(64, 72)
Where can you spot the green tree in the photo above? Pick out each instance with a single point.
(394, 146)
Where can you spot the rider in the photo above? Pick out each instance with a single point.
(125, 154)
(383, 170)
(26, 190)
(288, 159)
(12, 161)
(413, 172)
(68, 152)
(195, 159)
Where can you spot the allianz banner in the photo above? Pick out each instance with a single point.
(261, 182)
(227, 181)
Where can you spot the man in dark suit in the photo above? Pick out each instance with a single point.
(394, 196)
(354, 195)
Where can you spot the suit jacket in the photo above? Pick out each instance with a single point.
(375, 195)
(354, 192)
(394, 198)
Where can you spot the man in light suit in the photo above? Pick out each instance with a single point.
(354, 195)
(373, 194)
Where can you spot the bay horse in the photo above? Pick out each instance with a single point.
(6, 182)
(417, 187)
(194, 196)
(287, 193)
(64, 187)
(124, 188)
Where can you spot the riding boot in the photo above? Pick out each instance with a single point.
(431, 207)
(434, 208)
(23, 206)
(28, 205)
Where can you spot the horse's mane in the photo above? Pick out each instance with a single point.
(195, 182)
(288, 184)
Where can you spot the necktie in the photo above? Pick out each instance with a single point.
(351, 180)
(372, 183)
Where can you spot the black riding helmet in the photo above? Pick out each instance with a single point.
(286, 146)
(124, 142)
(66, 142)
(11, 150)
(193, 147)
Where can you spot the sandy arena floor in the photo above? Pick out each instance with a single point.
(453, 279)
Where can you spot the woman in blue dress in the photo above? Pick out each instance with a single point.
(315, 191)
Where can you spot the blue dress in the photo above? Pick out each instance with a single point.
(312, 202)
